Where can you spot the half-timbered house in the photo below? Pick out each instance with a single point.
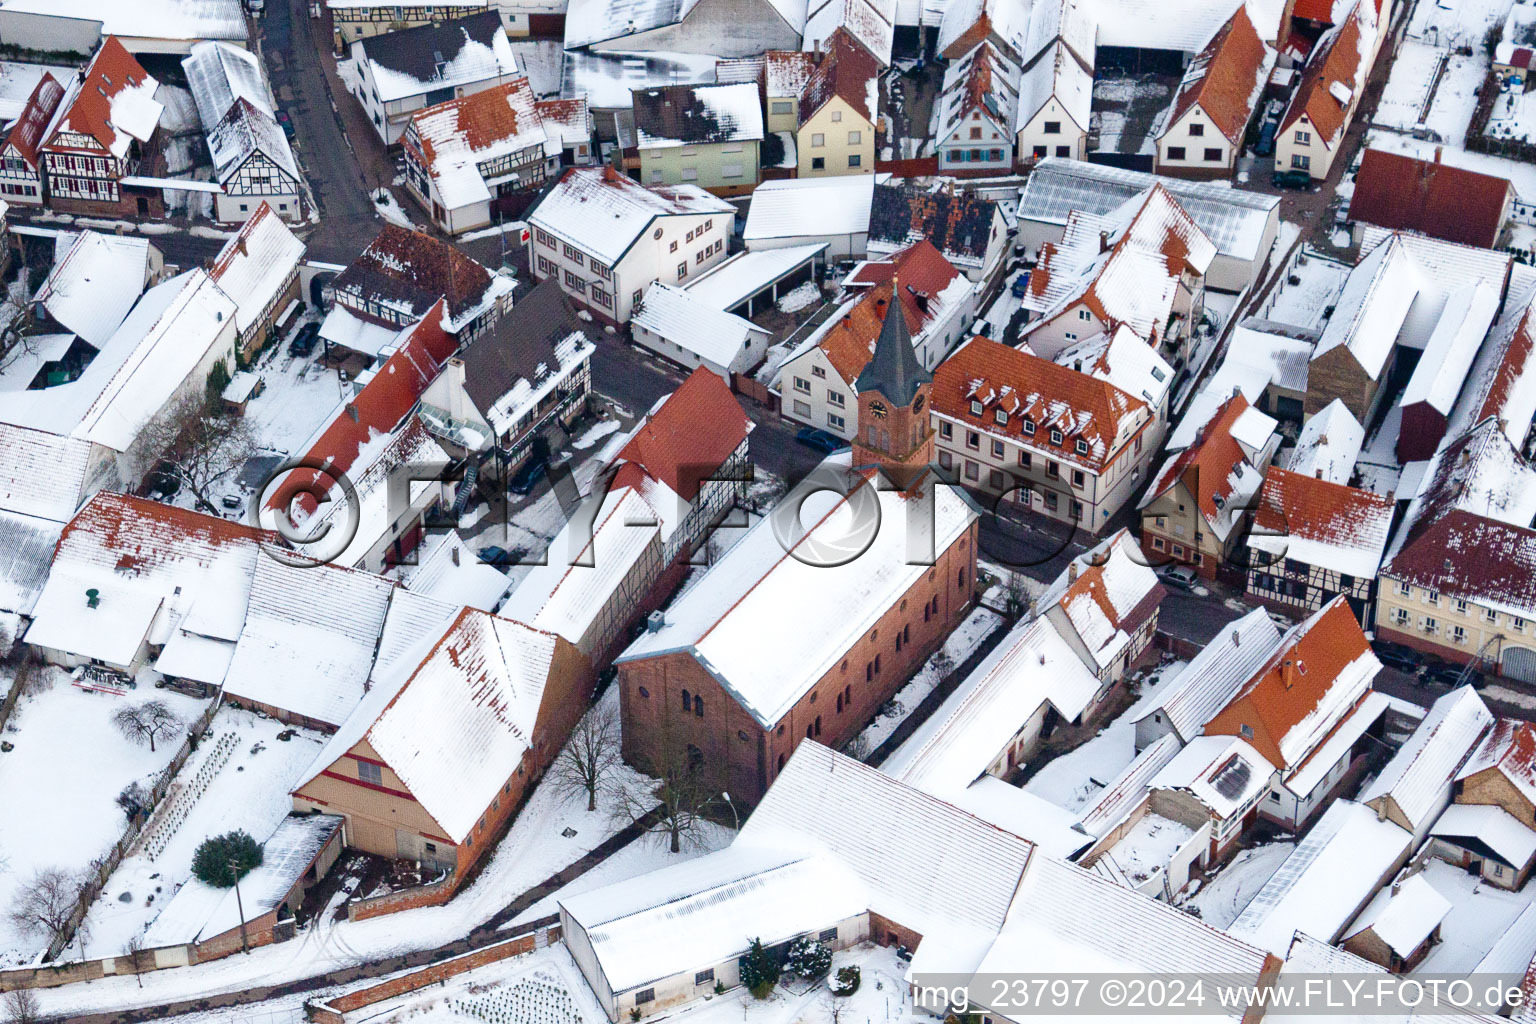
(21, 167)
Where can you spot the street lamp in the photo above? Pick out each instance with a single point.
(734, 816)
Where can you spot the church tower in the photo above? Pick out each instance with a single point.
(894, 429)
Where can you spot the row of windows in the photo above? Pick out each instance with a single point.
(818, 139)
(998, 480)
(960, 156)
(1026, 426)
(819, 163)
(1211, 155)
(1177, 550)
(1461, 607)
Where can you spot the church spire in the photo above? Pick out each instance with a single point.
(893, 369)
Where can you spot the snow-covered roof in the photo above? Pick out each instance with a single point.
(1424, 768)
(450, 572)
(1071, 21)
(346, 329)
(1304, 780)
(1496, 828)
(1224, 773)
(1121, 359)
(1372, 308)
(1320, 523)
(1226, 78)
(1125, 792)
(683, 115)
(1107, 593)
(1283, 351)
(1510, 749)
(568, 121)
(1054, 830)
(1328, 445)
(1056, 73)
(1235, 219)
(609, 80)
(256, 264)
(445, 55)
(19, 81)
(1219, 466)
(218, 74)
(695, 325)
(308, 641)
(1511, 953)
(745, 274)
(408, 272)
(870, 22)
(176, 20)
(457, 138)
(113, 103)
(1409, 917)
(603, 212)
(25, 559)
(812, 853)
(770, 584)
(1469, 313)
(244, 131)
(92, 288)
(1033, 666)
(1330, 875)
(42, 474)
(810, 207)
(1067, 920)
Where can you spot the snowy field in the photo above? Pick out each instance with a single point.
(1451, 24)
(543, 987)
(1071, 780)
(61, 784)
(248, 782)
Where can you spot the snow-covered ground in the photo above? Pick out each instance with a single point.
(799, 297)
(1072, 779)
(1432, 87)
(980, 624)
(1305, 291)
(1221, 899)
(1003, 307)
(1148, 846)
(390, 209)
(536, 847)
(61, 782)
(250, 791)
(1480, 913)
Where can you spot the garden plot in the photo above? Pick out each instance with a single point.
(61, 783)
(1071, 780)
(1513, 117)
(239, 778)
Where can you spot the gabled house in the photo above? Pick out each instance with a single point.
(784, 75)
(259, 270)
(251, 156)
(21, 160)
(703, 135)
(466, 157)
(680, 472)
(1397, 931)
(1140, 266)
(715, 27)
(1312, 540)
(1311, 133)
(869, 23)
(1310, 711)
(1417, 785)
(1055, 96)
(1210, 680)
(1489, 828)
(1203, 130)
(833, 211)
(605, 238)
(502, 397)
(93, 285)
(838, 112)
(970, 232)
(434, 761)
(1105, 606)
(363, 19)
(1057, 440)
(819, 379)
(1430, 395)
(401, 72)
(683, 328)
(967, 24)
(1194, 509)
(978, 101)
(396, 280)
(103, 130)
(569, 122)
(1401, 193)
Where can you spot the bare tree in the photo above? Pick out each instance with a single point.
(684, 797)
(44, 905)
(22, 1007)
(134, 947)
(943, 664)
(1016, 594)
(197, 442)
(591, 757)
(15, 321)
(147, 722)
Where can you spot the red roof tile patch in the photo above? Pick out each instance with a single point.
(1334, 64)
(1230, 77)
(27, 133)
(1457, 205)
(686, 441)
(112, 70)
(921, 268)
(1297, 505)
(1205, 467)
(845, 71)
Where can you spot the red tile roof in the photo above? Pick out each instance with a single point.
(922, 269)
(1297, 505)
(112, 70)
(1026, 387)
(138, 533)
(1225, 78)
(1334, 63)
(845, 71)
(27, 133)
(1471, 557)
(1401, 193)
(689, 437)
(408, 268)
(480, 120)
(1205, 467)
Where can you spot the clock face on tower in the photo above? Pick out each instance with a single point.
(917, 406)
(877, 409)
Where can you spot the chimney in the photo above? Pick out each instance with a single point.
(1288, 673)
(1381, 805)
(1103, 241)
(455, 554)
(655, 621)
(352, 412)
(1318, 473)
(1236, 391)
(1237, 638)
(1072, 573)
(1438, 150)
(240, 244)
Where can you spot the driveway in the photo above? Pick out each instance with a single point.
(298, 64)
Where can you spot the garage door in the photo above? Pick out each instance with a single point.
(1520, 663)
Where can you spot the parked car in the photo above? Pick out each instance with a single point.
(528, 477)
(285, 122)
(1020, 285)
(232, 501)
(501, 557)
(1450, 674)
(820, 440)
(304, 340)
(1291, 179)
(1404, 659)
(1181, 576)
(1266, 144)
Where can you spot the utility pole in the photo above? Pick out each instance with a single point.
(239, 907)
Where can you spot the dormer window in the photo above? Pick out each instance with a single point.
(975, 407)
(1082, 447)
(1055, 437)
(1029, 427)
(1001, 417)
